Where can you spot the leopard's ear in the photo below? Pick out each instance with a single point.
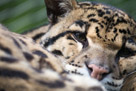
(59, 8)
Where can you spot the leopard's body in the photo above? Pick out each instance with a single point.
(87, 39)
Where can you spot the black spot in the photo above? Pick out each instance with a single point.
(122, 31)
(113, 66)
(107, 18)
(97, 32)
(128, 31)
(22, 42)
(73, 72)
(13, 73)
(105, 36)
(43, 63)
(95, 88)
(132, 89)
(8, 59)
(112, 84)
(108, 12)
(91, 15)
(105, 23)
(72, 61)
(104, 40)
(100, 13)
(67, 57)
(115, 37)
(115, 30)
(73, 64)
(116, 14)
(57, 52)
(71, 44)
(124, 72)
(93, 20)
(80, 23)
(92, 8)
(86, 56)
(40, 53)
(16, 43)
(55, 84)
(120, 20)
(116, 78)
(5, 49)
(28, 56)
(108, 39)
(76, 65)
(37, 36)
(101, 25)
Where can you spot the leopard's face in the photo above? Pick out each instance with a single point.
(79, 51)
(89, 39)
(26, 66)
(99, 62)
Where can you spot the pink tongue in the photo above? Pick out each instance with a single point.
(97, 71)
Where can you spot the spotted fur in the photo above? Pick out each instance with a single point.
(26, 66)
(85, 33)
(80, 34)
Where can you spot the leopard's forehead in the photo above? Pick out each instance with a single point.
(107, 23)
(104, 24)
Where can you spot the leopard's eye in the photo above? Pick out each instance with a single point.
(81, 37)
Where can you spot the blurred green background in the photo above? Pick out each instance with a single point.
(24, 15)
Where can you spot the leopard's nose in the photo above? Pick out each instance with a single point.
(97, 72)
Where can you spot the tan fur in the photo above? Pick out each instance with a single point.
(80, 34)
(35, 32)
(32, 71)
(107, 30)
(129, 83)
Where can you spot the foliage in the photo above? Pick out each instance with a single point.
(23, 15)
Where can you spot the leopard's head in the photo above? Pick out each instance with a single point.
(89, 38)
